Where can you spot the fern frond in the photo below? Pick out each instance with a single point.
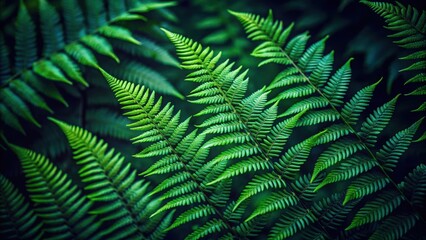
(97, 16)
(25, 47)
(73, 20)
(192, 214)
(376, 122)
(178, 153)
(414, 184)
(304, 187)
(17, 219)
(108, 123)
(330, 211)
(50, 23)
(66, 45)
(276, 201)
(336, 153)
(212, 226)
(140, 74)
(292, 221)
(258, 184)
(148, 49)
(308, 78)
(112, 183)
(100, 45)
(5, 69)
(60, 204)
(348, 169)
(16, 105)
(394, 227)
(392, 150)
(352, 109)
(377, 209)
(289, 163)
(409, 27)
(408, 23)
(365, 185)
(29, 95)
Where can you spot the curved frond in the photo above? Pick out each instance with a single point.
(376, 209)
(409, 26)
(110, 181)
(17, 218)
(59, 203)
(292, 221)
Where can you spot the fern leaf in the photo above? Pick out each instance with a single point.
(161, 231)
(148, 49)
(43, 87)
(336, 88)
(408, 25)
(330, 211)
(400, 19)
(177, 152)
(5, 68)
(16, 105)
(61, 205)
(97, 16)
(222, 192)
(276, 140)
(141, 74)
(62, 61)
(49, 71)
(212, 226)
(274, 202)
(289, 164)
(348, 169)
(365, 185)
(185, 200)
(317, 117)
(112, 183)
(258, 184)
(192, 214)
(81, 54)
(73, 20)
(292, 221)
(394, 227)
(29, 95)
(117, 32)
(376, 122)
(149, 6)
(250, 165)
(100, 45)
(18, 220)
(352, 109)
(25, 38)
(376, 209)
(392, 150)
(336, 153)
(10, 119)
(50, 23)
(305, 188)
(415, 185)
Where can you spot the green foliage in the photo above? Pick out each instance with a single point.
(111, 182)
(295, 159)
(18, 220)
(114, 204)
(40, 61)
(409, 27)
(57, 201)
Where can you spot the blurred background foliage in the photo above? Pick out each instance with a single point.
(353, 30)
